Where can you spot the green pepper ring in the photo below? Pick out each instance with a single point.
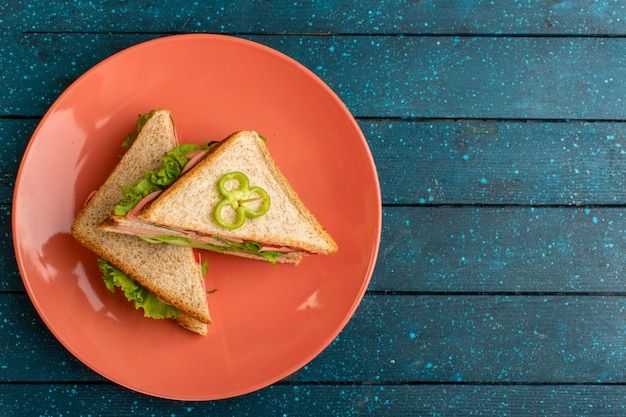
(237, 198)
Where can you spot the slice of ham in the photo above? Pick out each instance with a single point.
(194, 158)
(132, 214)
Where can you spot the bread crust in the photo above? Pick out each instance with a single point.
(192, 324)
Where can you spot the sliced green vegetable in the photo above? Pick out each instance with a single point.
(237, 198)
(178, 241)
(254, 248)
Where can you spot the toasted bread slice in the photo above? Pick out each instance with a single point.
(186, 209)
(170, 272)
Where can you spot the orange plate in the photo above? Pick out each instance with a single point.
(269, 321)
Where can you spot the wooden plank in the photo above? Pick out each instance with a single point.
(412, 339)
(436, 400)
(411, 77)
(440, 17)
(11, 279)
(486, 162)
(493, 249)
(15, 135)
(468, 77)
(481, 249)
(464, 162)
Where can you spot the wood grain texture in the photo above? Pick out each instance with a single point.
(492, 162)
(434, 400)
(534, 17)
(476, 250)
(406, 339)
(502, 250)
(461, 162)
(498, 133)
(410, 77)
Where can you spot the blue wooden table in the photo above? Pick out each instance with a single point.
(499, 137)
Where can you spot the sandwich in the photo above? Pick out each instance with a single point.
(233, 200)
(166, 281)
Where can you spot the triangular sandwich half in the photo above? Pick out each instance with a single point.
(234, 200)
(172, 274)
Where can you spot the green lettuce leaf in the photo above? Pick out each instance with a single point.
(250, 247)
(152, 306)
(255, 248)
